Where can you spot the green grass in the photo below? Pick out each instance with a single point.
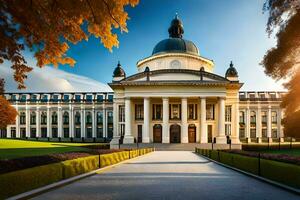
(10, 148)
(293, 152)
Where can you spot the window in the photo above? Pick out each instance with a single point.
(66, 133)
(110, 98)
(77, 98)
(157, 112)
(89, 98)
(252, 96)
(252, 117)
(242, 117)
(33, 98)
(253, 133)
(54, 98)
(88, 118)
(274, 133)
(242, 132)
(272, 96)
(121, 113)
(192, 111)
(99, 98)
(274, 117)
(227, 113)
(264, 117)
(54, 118)
(99, 118)
(66, 118)
(77, 132)
(33, 118)
(44, 99)
(210, 111)
(139, 112)
(110, 117)
(23, 98)
(22, 118)
(14, 97)
(264, 132)
(227, 129)
(175, 110)
(66, 98)
(44, 118)
(77, 118)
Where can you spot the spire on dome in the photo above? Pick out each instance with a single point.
(176, 28)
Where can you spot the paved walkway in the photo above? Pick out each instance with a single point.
(169, 175)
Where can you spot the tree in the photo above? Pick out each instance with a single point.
(8, 113)
(283, 60)
(47, 27)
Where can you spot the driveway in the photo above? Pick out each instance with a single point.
(169, 175)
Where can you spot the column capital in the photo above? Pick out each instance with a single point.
(222, 98)
(146, 98)
(127, 98)
(165, 98)
(183, 98)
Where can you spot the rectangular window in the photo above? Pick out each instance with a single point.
(227, 129)
(66, 98)
(44, 98)
(23, 98)
(99, 98)
(157, 112)
(192, 111)
(89, 98)
(264, 117)
(252, 117)
(175, 110)
(274, 133)
(274, 117)
(99, 117)
(121, 113)
(77, 98)
(242, 132)
(139, 112)
(253, 133)
(33, 98)
(54, 98)
(264, 132)
(110, 118)
(110, 98)
(242, 117)
(210, 111)
(227, 113)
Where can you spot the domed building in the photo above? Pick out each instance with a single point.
(175, 97)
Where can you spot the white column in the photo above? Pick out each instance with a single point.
(128, 138)
(235, 138)
(221, 138)
(38, 122)
(258, 124)
(203, 125)
(248, 124)
(184, 123)
(165, 127)
(49, 127)
(18, 124)
(146, 126)
(8, 131)
(82, 123)
(93, 123)
(116, 137)
(27, 121)
(71, 122)
(59, 122)
(269, 123)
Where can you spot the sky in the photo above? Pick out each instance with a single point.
(222, 30)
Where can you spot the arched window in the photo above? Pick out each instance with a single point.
(99, 117)
(66, 118)
(44, 118)
(88, 118)
(22, 118)
(77, 118)
(33, 118)
(242, 117)
(54, 118)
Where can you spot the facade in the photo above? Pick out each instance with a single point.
(175, 97)
(64, 116)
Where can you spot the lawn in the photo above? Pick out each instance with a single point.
(10, 148)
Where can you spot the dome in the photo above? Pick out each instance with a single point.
(119, 71)
(231, 71)
(175, 43)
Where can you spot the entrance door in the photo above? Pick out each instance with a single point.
(192, 133)
(175, 134)
(140, 133)
(157, 133)
(209, 133)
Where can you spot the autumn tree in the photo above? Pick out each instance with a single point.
(47, 27)
(283, 60)
(8, 113)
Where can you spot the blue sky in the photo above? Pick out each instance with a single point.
(222, 30)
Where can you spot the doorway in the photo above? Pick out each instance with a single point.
(157, 133)
(175, 135)
(209, 133)
(192, 133)
(140, 133)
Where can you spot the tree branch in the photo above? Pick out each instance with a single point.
(109, 12)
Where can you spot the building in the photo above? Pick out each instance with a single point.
(175, 97)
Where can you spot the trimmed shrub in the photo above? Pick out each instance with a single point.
(110, 159)
(285, 173)
(24, 180)
(79, 166)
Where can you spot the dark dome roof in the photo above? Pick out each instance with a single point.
(175, 43)
(231, 71)
(119, 71)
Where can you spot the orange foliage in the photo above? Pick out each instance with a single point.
(48, 26)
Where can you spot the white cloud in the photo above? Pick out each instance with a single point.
(50, 79)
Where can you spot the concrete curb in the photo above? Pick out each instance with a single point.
(37, 191)
(277, 184)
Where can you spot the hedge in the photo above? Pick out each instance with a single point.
(285, 173)
(20, 181)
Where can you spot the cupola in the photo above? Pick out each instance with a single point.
(119, 73)
(231, 73)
